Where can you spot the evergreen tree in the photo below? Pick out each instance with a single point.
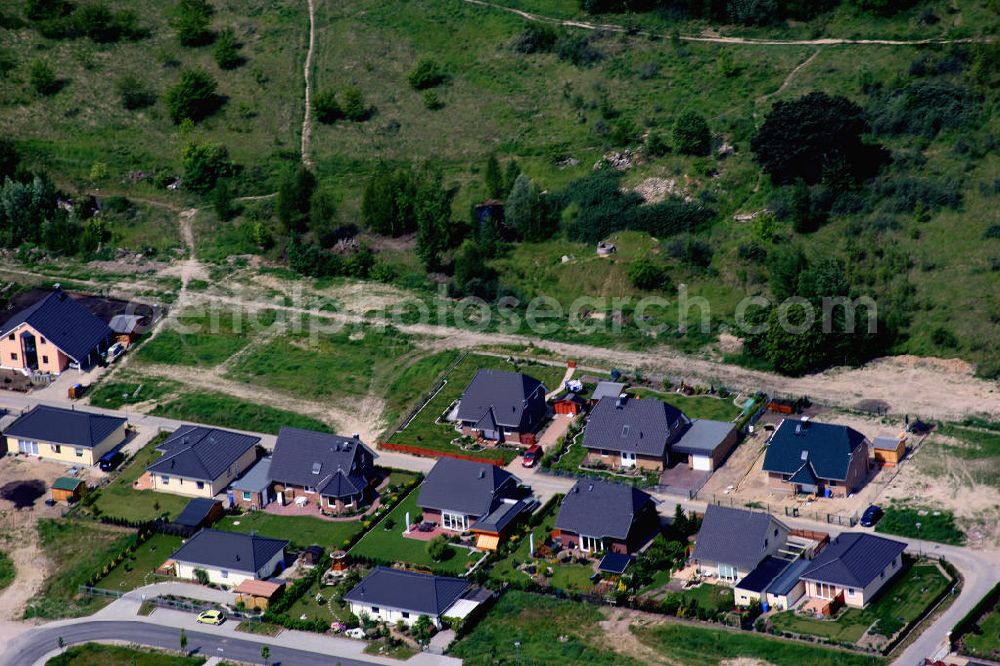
(493, 178)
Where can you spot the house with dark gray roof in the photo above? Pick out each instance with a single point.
(606, 390)
(394, 595)
(853, 568)
(805, 456)
(599, 516)
(198, 461)
(229, 558)
(67, 435)
(457, 494)
(502, 406)
(706, 443)
(732, 542)
(253, 490)
(331, 471)
(629, 432)
(53, 334)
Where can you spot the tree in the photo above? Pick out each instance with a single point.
(323, 217)
(354, 104)
(25, 208)
(432, 212)
(204, 165)
(387, 201)
(294, 195)
(432, 101)
(265, 653)
(223, 200)
(227, 50)
(422, 629)
(813, 137)
(691, 134)
(473, 276)
(95, 233)
(326, 107)
(10, 159)
(656, 145)
(426, 74)
(510, 175)
(192, 20)
(184, 641)
(201, 576)
(647, 275)
(786, 264)
(43, 78)
(493, 178)
(134, 93)
(524, 211)
(193, 97)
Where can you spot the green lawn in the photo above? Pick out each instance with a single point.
(695, 407)
(121, 500)
(393, 546)
(708, 595)
(550, 631)
(203, 339)
(424, 432)
(302, 531)
(7, 571)
(228, 412)
(985, 642)
(138, 567)
(75, 550)
(697, 646)
(96, 654)
(127, 389)
(935, 525)
(329, 610)
(903, 601)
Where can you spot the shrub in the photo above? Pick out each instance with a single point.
(43, 78)
(691, 134)
(326, 107)
(354, 104)
(438, 548)
(102, 25)
(431, 101)
(646, 275)
(426, 74)
(226, 50)
(192, 19)
(577, 49)
(134, 93)
(204, 165)
(656, 145)
(193, 97)
(535, 39)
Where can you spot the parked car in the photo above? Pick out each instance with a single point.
(871, 516)
(531, 456)
(214, 616)
(110, 460)
(114, 351)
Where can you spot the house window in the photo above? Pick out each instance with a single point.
(79, 453)
(454, 521)
(42, 340)
(310, 489)
(165, 480)
(13, 356)
(727, 572)
(246, 495)
(375, 609)
(894, 564)
(56, 448)
(765, 543)
(590, 544)
(200, 485)
(850, 591)
(225, 574)
(10, 337)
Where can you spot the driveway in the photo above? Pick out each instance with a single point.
(557, 428)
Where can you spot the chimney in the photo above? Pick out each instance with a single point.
(591, 488)
(620, 402)
(482, 473)
(356, 435)
(798, 428)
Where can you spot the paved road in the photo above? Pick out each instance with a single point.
(34, 646)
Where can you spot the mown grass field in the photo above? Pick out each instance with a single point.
(935, 525)
(903, 601)
(129, 388)
(85, 122)
(986, 642)
(301, 531)
(137, 569)
(204, 338)
(89, 654)
(228, 412)
(695, 407)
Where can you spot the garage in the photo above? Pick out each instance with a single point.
(700, 463)
(706, 444)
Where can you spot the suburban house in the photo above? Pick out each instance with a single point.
(396, 595)
(706, 444)
(629, 432)
(67, 435)
(889, 451)
(253, 490)
(852, 569)
(804, 456)
(502, 406)
(229, 558)
(53, 334)
(732, 542)
(599, 516)
(459, 494)
(201, 462)
(331, 471)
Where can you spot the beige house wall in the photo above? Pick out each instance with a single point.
(72, 454)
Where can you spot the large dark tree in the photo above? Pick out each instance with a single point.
(816, 137)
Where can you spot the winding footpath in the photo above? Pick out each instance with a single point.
(307, 73)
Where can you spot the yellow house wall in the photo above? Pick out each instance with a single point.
(67, 453)
(189, 488)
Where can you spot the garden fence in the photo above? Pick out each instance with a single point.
(848, 520)
(173, 603)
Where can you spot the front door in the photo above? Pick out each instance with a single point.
(628, 459)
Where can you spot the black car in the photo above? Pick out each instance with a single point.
(110, 460)
(871, 516)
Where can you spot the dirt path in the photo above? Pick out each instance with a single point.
(30, 570)
(788, 79)
(616, 628)
(307, 71)
(718, 39)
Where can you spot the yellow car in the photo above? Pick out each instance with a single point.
(212, 617)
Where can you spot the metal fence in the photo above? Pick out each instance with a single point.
(174, 603)
(849, 520)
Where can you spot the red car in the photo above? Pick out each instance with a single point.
(531, 456)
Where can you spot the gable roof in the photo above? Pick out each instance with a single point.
(66, 483)
(465, 487)
(827, 447)
(853, 559)
(200, 453)
(805, 476)
(517, 400)
(125, 323)
(329, 463)
(637, 426)
(63, 322)
(735, 536)
(601, 509)
(72, 427)
(228, 550)
(703, 437)
(196, 511)
(408, 591)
